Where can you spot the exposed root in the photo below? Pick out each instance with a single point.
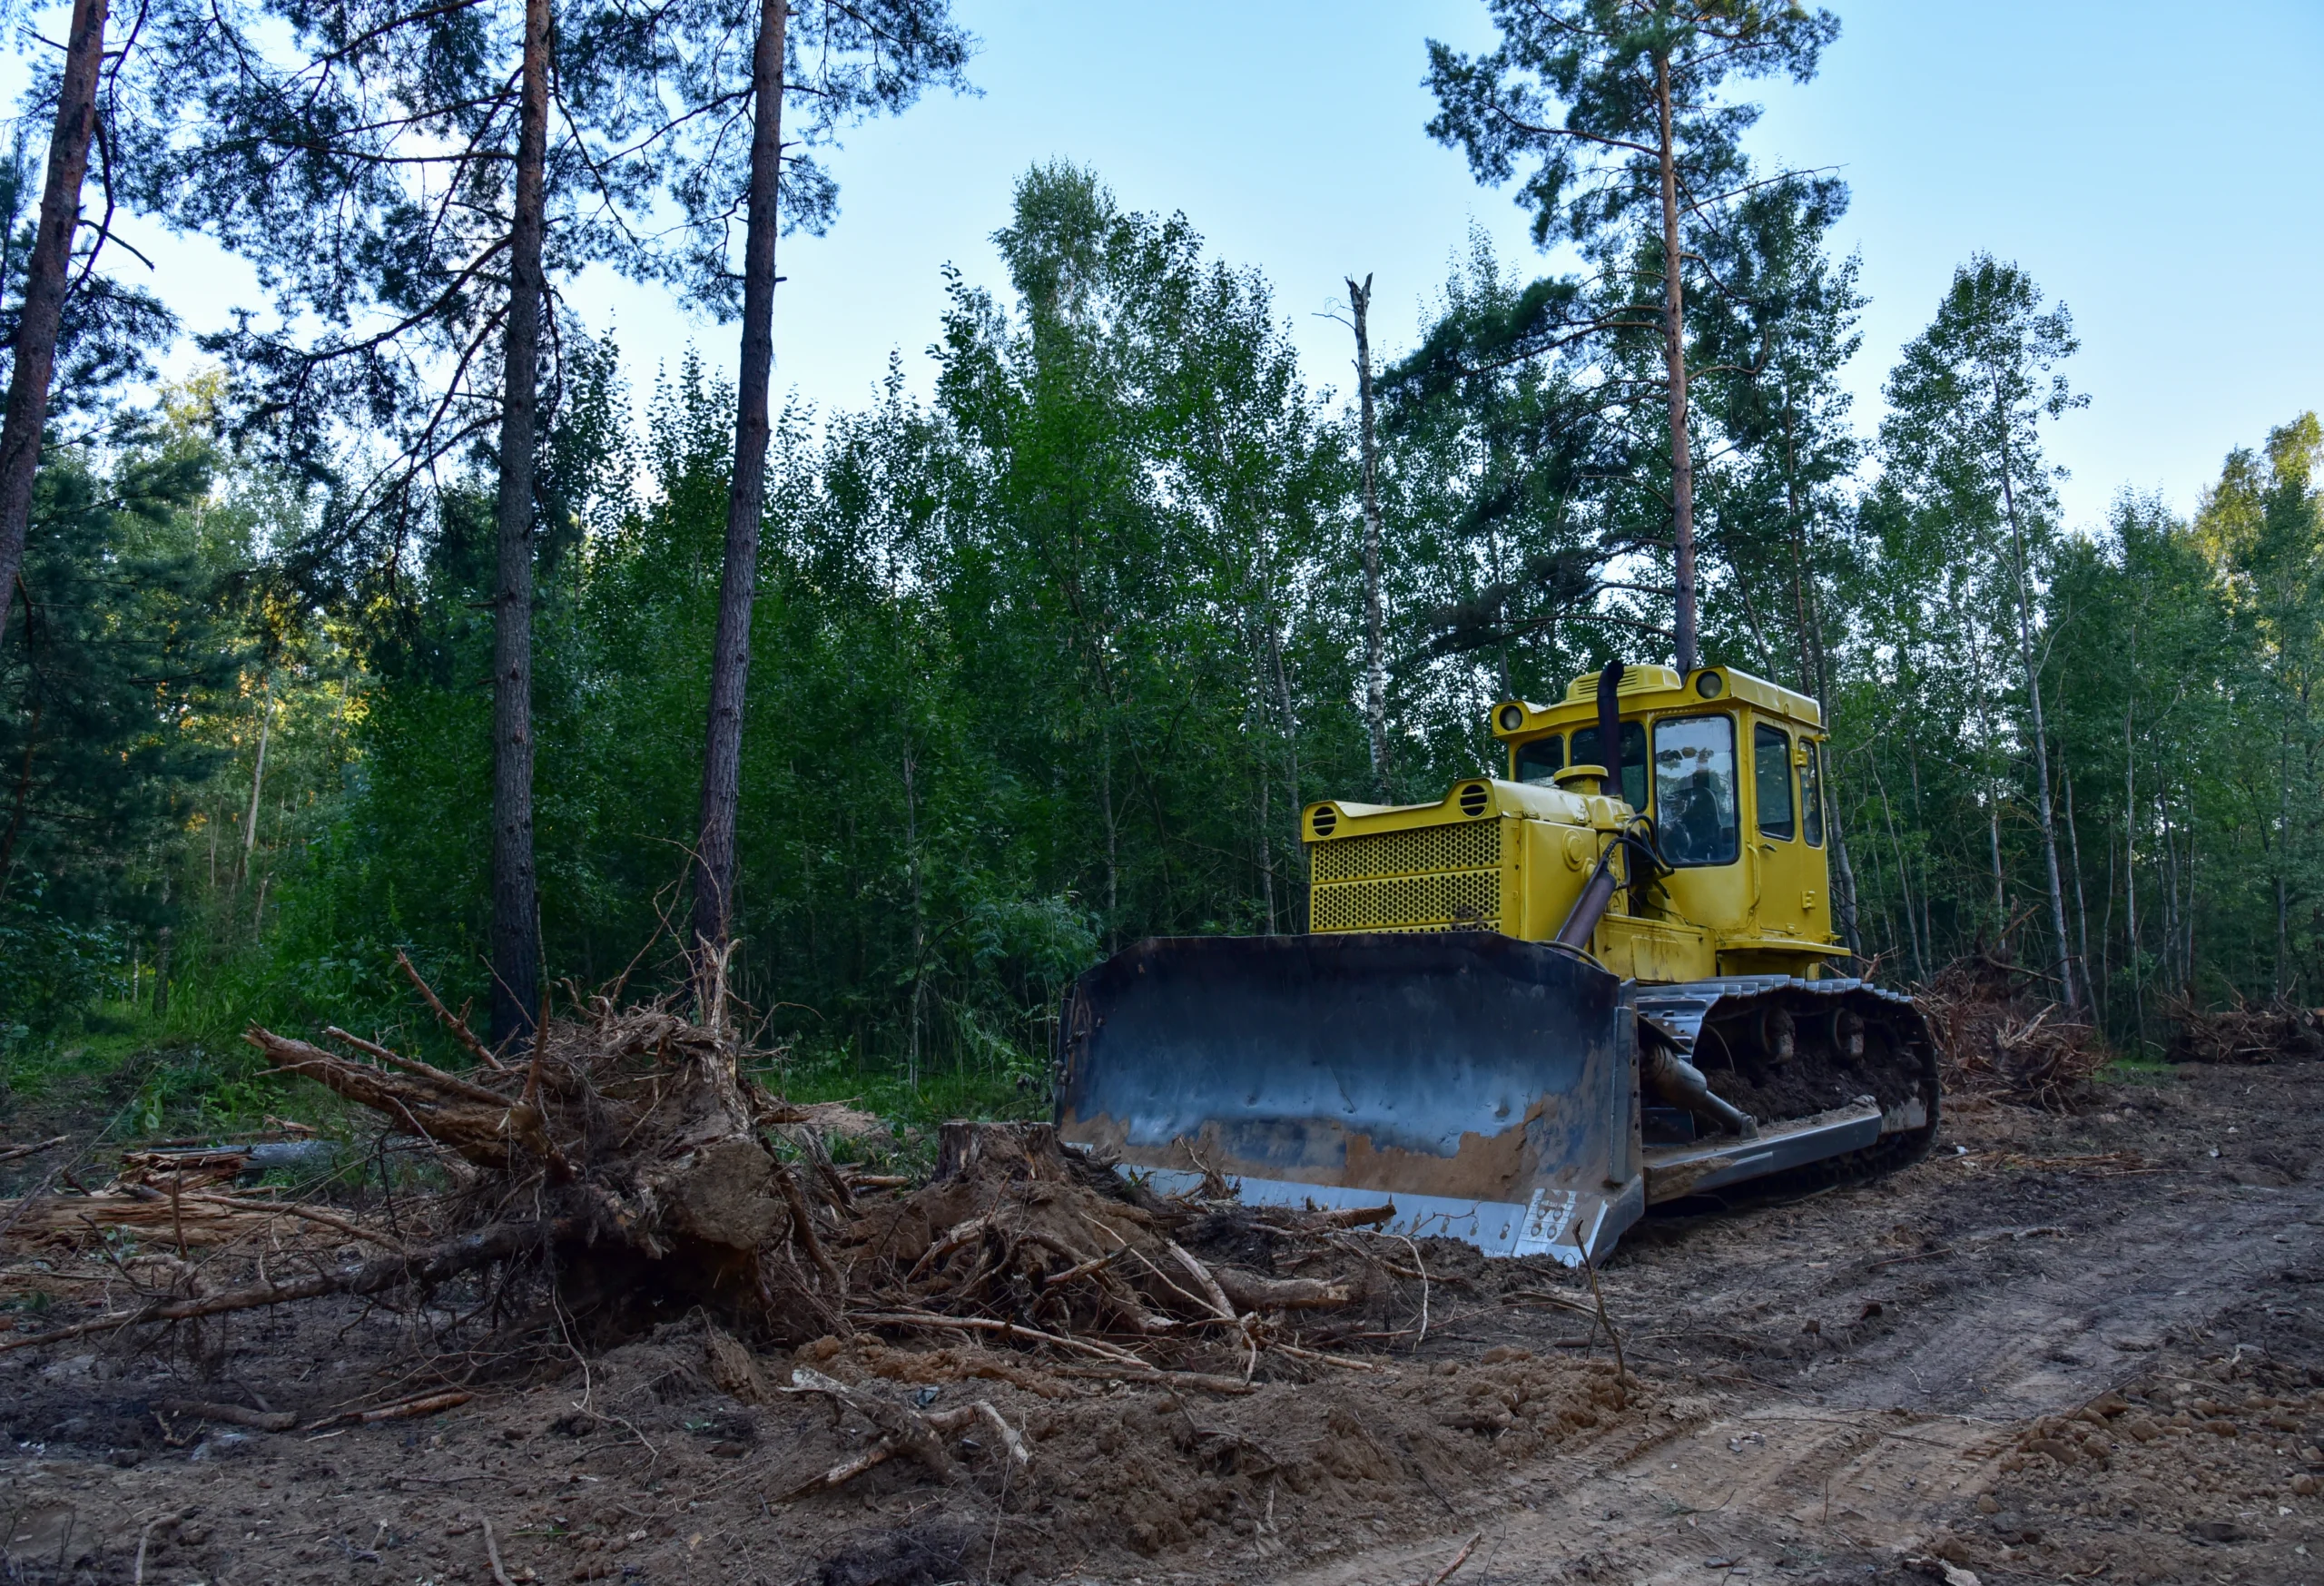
(627, 1172)
(2245, 1032)
(1998, 1039)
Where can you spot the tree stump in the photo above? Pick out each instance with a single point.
(966, 1148)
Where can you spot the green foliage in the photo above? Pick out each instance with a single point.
(1575, 90)
(1049, 662)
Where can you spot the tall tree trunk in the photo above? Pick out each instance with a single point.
(1674, 359)
(516, 904)
(258, 779)
(2041, 735)
(2081, 900)
(2001, 891)
(2130, 858)
(1375, 670)
(35, 345)
(2282, 977)
(730, 664)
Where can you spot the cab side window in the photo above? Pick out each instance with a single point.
(1771, 781)
(1539, 760)
(1811, 791)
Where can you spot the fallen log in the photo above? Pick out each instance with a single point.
(496, 1243)
(194, 1219)
(1247, 1291)
(401, 1410)
(232, 1414)
(13, 1152)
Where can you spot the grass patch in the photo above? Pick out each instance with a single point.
(142, 1076)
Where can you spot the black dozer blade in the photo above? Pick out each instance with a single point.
(1486, 1087)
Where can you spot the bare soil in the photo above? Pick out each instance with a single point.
(1878, 1383)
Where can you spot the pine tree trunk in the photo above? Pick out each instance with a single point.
(1674, 359)
(730, 664)
(1375, 672)
(747, 496)
(2041, 745)
(516, 905)
(35, 345)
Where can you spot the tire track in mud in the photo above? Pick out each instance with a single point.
(2102, 1300)
(1831, 1450)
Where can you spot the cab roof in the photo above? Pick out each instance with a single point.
(1651, 689)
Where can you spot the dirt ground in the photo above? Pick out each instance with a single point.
(2079, 1347)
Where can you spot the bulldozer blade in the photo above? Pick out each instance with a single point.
(1485, 1087)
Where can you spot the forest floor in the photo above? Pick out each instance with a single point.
(2067, 1347)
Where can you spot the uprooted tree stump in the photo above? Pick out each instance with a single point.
(633, 1141)
(1998, 1037)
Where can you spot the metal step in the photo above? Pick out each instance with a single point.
(1673, 1171)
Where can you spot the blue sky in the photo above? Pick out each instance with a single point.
(2153, 166)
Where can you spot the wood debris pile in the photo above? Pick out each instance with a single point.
(626, 1170)
(1999, 1038)
(2245, 1032)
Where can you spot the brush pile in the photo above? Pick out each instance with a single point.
(627, 1171)
(1999, 1038)
(2245, 1032)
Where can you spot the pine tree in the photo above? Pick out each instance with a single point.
(1618, 107)
(731, 67)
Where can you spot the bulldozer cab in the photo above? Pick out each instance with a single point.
(1728, 767)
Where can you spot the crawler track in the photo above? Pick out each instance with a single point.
(1782, 1047)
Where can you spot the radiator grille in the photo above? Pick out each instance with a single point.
(1415, 850)
(1426, 878)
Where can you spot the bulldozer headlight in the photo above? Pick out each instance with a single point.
(1708, 685)
(1513, 717)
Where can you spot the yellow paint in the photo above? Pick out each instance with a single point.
(1510, 856)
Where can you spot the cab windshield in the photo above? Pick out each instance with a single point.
(1693, 790)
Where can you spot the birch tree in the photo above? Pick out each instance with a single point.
(1966, 405)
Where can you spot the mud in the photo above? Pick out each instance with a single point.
(1875, 1384)
(1816, 1078)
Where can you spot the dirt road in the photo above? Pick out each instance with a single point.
(1872, 1384)
(1866, 1365)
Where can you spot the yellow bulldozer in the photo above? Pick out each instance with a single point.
(1526, 1011)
